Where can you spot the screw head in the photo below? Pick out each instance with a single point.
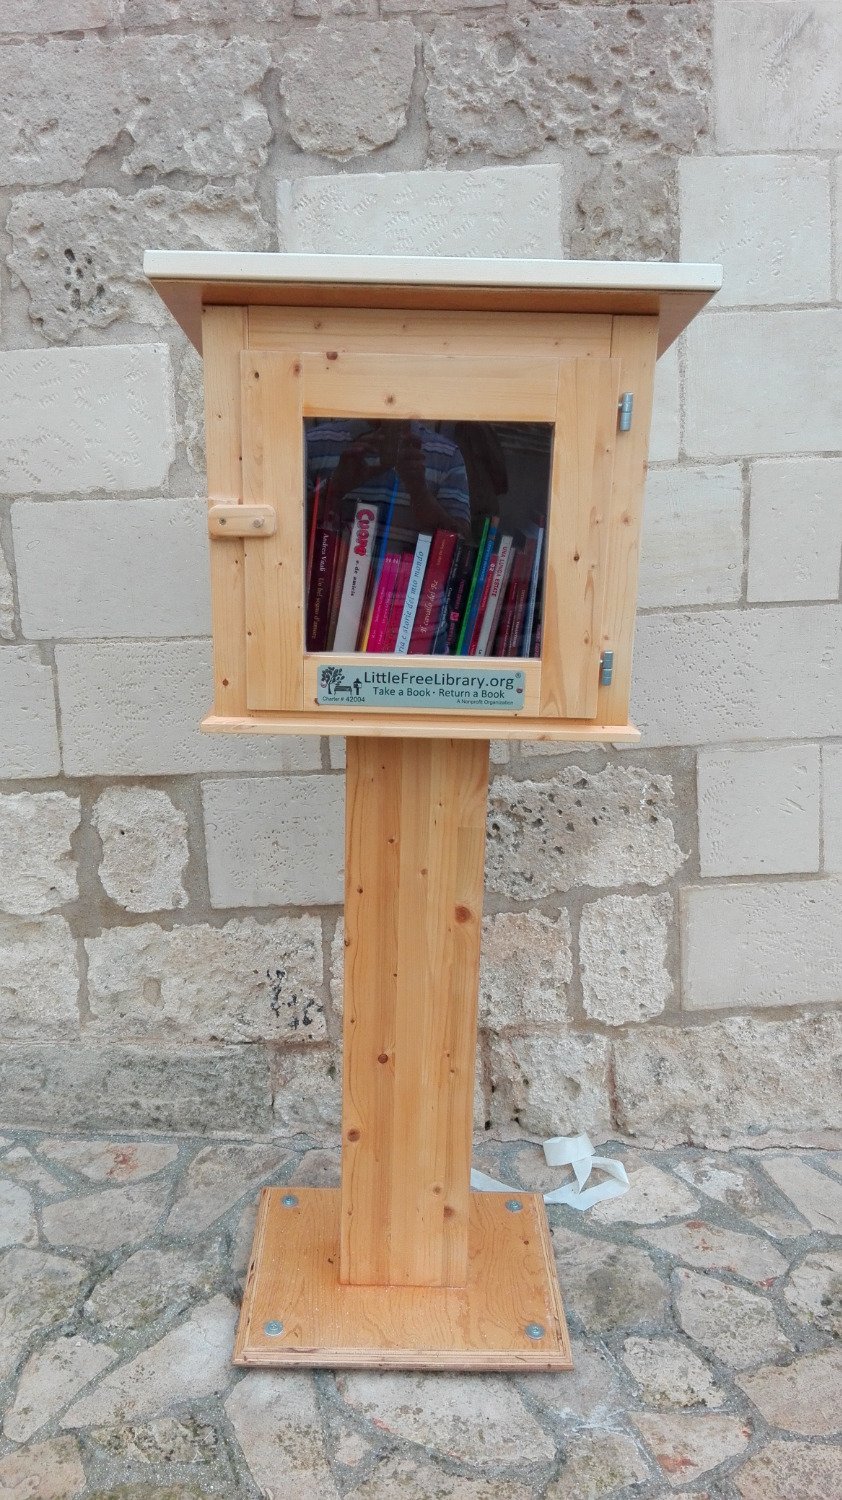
(534, 1330)
(257, 524)
(514, 1205)
(273, 1328)
(289, 1200)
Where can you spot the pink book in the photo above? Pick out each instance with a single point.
(383, 602)
(390, 638)
(429, 604)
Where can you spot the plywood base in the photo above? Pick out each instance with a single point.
(293, 1285)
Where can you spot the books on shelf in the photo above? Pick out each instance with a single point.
(372, 588)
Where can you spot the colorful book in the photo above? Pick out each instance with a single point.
(318, 600)
(511, 621)
(439, 646)
(458, 596)
(472, 587)
(432, 592)
(381, 557)
(413, 591)
(383, 601)
(532, 597)
(483, 603)
(358, 567)
(478, 584)
(336, 587)
(496, 594)
(398, 601)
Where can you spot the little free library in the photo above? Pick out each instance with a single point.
(425, 484)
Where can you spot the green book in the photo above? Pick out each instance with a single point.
(474, 580)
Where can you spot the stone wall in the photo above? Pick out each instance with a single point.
(663, 941)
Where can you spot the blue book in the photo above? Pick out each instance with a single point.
(473, 607)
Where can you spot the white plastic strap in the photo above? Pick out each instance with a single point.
(573, 1151)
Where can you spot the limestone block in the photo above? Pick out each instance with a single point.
(815, 1194)
(765, 220)
(514, 83)
(795, 529)
(144, 848)
(194, 1356)
(190, 391)
(28, 733)
(832, 806)
(51, 1470)
(400, 1474)
(777, 75)
(784, 1469)
(112, 568)
(551, 1084)
(37, 869)
(489, 211)
(763, 382)
(183, 104)
(665, 432)
(345, 89)
(738, 1326)
(769, 943)
(282, 1441)
(599, 828)
(758, 809)
(692, 551)
(623, 946)
(598, 1463)
(7, 601)
(608, 1287)
(741, 1078)
(85, 419)
(37, 1291)
(108, 1219)
(670, 1375)
(804, 1397)
(740, 674)
(80, 258)
(215, 1180)
(39, 978)
(241, 982)
(111, 1161)
(526, 962)
(686, 1446)
(18, 1225)
(474, 1419)
(813, 1292)
(20, 16)
(837, 198)
(626, 209)
(151, 1284)
(132, 708)
(307, 1093)
(141, 13)
(709, 1248)
(275, 841)
(94, 1087)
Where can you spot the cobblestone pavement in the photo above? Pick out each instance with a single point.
(705, 1308)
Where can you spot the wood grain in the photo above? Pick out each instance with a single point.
(367, 330)
(425, 726)
(634, 347)
(224, 338)
(458, 388)
(574, 585)
(414, 853)
(273, 475)
(293, 1280)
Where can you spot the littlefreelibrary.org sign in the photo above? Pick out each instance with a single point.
(420, 688)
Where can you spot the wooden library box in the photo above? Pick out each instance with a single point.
(425, 483)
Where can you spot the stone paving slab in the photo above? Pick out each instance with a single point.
(705, 1309)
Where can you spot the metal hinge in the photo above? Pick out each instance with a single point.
(606, 668)
(625, 406)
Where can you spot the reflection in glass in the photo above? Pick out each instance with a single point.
(426, 537)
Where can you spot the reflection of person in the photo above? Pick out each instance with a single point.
(359, 460)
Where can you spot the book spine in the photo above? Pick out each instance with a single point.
(381, 557)
(360, 554)
(463, 627)
(483, 604)
(480, 576)
(458, 598)
(383, 601)
(324, 562)
(398, 601)
(439, 646)
(496, 594)
(533, 594)
(413, 592)
(336, 590)
(504, 624)
(429, 604)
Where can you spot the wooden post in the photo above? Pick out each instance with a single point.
(414, 855)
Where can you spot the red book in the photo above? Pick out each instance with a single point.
(513, 645)
(383, 601)
(336, 591)
(321, 584)
(390, 637)
(432, 592)
(486, 590)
